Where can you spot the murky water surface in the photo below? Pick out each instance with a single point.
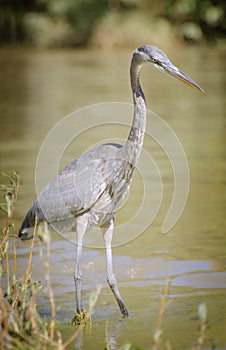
(38, 89)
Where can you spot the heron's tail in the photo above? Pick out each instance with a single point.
(33, 216)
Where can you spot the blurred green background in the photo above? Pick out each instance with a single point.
(71, 23)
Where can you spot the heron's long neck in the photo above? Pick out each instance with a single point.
(136, 137)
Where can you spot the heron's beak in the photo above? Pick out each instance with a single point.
(176, 73)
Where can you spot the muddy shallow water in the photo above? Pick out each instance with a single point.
(39, 89)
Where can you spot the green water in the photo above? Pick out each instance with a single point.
(38, 89)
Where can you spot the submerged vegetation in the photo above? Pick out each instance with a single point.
(102, 22)
(21, 326)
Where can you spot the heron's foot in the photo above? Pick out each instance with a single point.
(80, 317)
(113, 285)
(123, 309)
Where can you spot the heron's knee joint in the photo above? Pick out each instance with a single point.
(112, 281)
(77, 277)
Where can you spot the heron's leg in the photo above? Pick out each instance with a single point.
(80, 229)
(107, 231)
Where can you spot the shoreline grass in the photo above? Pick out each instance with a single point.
(21, 327)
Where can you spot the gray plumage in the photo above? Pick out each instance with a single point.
(88, 191)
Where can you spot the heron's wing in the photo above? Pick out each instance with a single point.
(77, 187)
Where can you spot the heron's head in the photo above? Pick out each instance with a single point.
(158, 59)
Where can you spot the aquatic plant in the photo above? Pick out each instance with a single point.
(20, 324)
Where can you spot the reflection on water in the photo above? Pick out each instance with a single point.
(39, 89)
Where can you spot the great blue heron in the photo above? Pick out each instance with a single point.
(88, 191)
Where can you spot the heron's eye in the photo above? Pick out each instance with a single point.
(154, 60)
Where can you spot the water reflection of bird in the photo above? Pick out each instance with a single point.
(88, 191)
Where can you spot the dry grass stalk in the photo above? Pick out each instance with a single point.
(202, 313)
(157, 334)
(50, 291)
